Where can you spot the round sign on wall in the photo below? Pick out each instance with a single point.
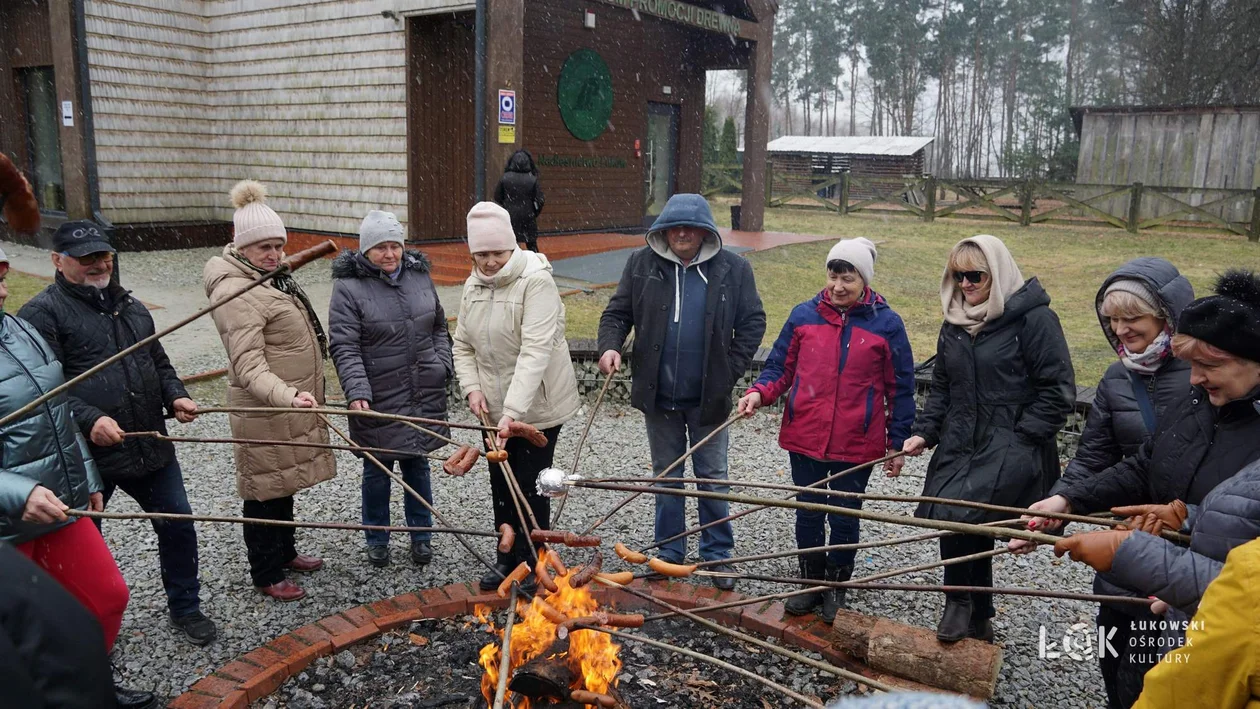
(585, 94)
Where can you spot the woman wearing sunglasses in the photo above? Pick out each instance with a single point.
(1002, 387)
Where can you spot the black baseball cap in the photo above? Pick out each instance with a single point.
(80, 238)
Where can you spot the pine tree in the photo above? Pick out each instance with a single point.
(728, 147)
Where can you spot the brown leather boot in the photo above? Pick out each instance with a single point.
(286, 591)
(302, 562)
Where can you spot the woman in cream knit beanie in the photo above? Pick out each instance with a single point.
(254, 221)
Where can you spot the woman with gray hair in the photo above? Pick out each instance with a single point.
(389, 342)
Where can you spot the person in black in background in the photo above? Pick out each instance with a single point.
(518, 192)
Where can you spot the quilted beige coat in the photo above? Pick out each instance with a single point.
(272, 355)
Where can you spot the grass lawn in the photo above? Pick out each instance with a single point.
(1069, 261)
(22, 287)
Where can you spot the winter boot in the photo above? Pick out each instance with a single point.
(813, 567)
(503, 565)
(955, 621)
(833, 598)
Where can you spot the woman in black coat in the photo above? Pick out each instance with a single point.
(518, 192)
(994, 434)
(388, 339)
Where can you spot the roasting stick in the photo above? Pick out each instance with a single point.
(949, 501)
(798, 657)
(388, 452)
(411, 491)
(329, 411)
(289, 265)
(750, 510)
(518, 498)
(271, 522)
(577, 455)
(907, 520)
(687, 454)
(634, 637)
(505, 657)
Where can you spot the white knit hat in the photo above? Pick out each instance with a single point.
(254, 221)
(378, 228)
(860, 252)
(490, 229)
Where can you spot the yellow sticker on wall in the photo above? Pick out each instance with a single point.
(507, 134)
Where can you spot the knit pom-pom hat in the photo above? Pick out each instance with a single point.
(254, 221)
(1229, 319)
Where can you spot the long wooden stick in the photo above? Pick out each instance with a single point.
(519, 501)
(949, 501)
(389, 470)
(731, 517)
(577, 455)
(387, 452)
(170, 516)
(681, 459)
(289, 265)
(961, 527)
(633, 637)
(505, 659)
(328, 411)
(816, 664)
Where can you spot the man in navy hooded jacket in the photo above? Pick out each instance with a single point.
(697, 321)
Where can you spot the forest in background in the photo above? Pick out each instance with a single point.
(992, 80)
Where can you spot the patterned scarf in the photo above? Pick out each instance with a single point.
(285, 283)
(1152, 358)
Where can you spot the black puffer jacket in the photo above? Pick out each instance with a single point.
(518, 192)
(1115, 428)
(84, 326)
(995, 406)
(389, 342)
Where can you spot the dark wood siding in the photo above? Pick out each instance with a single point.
(441, 121)
(643, 56)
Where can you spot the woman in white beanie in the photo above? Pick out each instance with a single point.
(513, 363)
(844, 362)
(276, 350)
(389, 341)
(1002, 387)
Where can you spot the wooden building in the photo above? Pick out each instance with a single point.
(345, 107)
(1203, 150)
(801, 160)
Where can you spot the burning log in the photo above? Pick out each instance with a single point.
(548, 677)
(968, 666)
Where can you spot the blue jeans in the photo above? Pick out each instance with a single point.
(810, 531)
(376, 486)
(163, 491)
(668, 435)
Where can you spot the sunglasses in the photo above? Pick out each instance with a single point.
(973, 277)
(92, 259)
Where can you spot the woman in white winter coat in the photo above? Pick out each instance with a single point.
(513, 364)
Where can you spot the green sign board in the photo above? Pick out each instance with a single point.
(683, 13)
(600, 162)
(585, 94)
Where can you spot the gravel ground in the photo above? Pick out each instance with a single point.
(150, 656)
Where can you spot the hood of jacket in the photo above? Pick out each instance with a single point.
(522, 161)
(222, 267)
(1164, 280)
(522, 264)
(353, 264)
(1031, 295)
(685, 210)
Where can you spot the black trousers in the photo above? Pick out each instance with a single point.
(1123, 675)
(269, 548)
(526, 462)
(969, 573)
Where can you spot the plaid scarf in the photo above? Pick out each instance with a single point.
(285, 283)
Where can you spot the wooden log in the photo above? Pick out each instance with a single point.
(968, 666)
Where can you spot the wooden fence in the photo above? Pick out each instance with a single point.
(1131, 207)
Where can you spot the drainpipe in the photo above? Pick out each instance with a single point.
(479, 142)
(85, 104)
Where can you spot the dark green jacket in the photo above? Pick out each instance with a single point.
(43, 448)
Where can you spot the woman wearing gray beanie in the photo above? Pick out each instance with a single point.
(389, 342)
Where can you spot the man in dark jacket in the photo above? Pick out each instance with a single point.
(86, 317)
(698, 322)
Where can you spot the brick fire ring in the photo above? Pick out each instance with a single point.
(261, 671)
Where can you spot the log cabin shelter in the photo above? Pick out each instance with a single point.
(144, 113)
(801, 160)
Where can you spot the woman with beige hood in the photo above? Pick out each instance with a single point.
(513, 363)
(1002, 387)
(276, 349)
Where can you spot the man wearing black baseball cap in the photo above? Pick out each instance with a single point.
(87, 317)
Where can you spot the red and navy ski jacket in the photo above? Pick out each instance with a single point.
(849, 378)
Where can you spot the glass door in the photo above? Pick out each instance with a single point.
(660, 158)
(43, 137)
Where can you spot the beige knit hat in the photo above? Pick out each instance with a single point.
(254, 220)
(490, 229)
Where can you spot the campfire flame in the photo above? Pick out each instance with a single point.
(592, 656)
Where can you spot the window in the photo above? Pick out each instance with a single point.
(42, 136)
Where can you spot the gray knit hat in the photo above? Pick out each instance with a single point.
(1138, 289)
(377, 228)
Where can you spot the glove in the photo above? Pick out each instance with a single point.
(1171, 515)
(1096, 549)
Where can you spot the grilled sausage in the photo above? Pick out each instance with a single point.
(620, 578)
(587, 573)
(628, 554)
(518, 575)
(507, 538)
(665, 568)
